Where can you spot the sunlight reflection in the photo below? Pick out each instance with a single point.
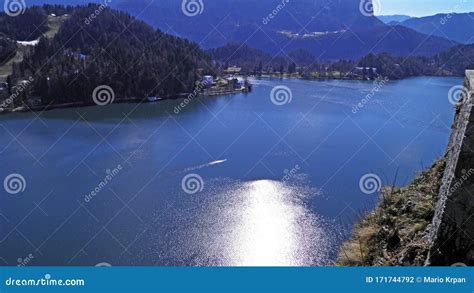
(267, 235)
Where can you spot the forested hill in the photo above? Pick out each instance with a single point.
(26, 27)
(452, 62)
(99, 46)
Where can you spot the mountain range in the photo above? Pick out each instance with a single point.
(458, 27)
(393, 19)
(328, 29)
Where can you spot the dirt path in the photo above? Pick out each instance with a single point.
(54, 24)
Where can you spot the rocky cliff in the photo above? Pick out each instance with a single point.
(431, 221)
(452, 231)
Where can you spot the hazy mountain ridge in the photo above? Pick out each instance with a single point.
(458, 27)
(392, 19)
(328, 29)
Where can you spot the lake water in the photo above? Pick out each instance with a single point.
(280, 184)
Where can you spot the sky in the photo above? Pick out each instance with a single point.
(424, 7)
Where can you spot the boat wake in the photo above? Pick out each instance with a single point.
(213, 163)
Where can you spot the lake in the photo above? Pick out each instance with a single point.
(238, 180)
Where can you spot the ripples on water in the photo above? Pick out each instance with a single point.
(256, 223)
(246, 214)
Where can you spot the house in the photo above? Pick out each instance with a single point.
(233, 70)
(235, 83)
(366, 72)
(208, 80)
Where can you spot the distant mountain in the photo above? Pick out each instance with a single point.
(392, 19)
(457, 27)
(328, 29)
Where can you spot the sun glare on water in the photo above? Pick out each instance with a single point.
(272, 227)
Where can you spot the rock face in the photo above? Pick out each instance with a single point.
(452, 231)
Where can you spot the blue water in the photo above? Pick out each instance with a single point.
(280, 184)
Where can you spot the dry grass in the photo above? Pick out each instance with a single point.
(395, 234)
(54, 23)
(7, 68)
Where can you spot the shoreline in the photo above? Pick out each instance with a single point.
(299, 76)
(42, 108)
